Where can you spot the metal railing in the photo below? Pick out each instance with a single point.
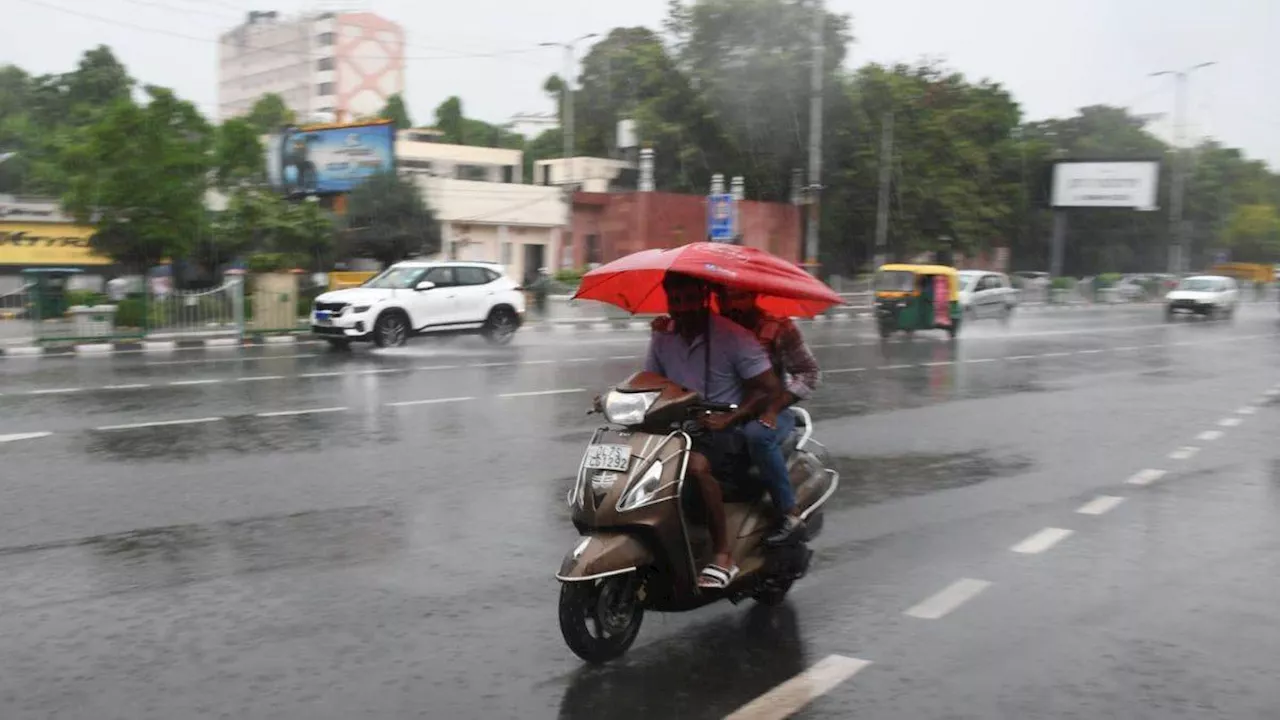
(216, 311)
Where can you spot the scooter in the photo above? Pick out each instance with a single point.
(644, 537)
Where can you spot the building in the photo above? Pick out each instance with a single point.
(589, 174)
(607, 226)
(343, 65)
(486, 213)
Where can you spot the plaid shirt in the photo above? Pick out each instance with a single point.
(792, 360)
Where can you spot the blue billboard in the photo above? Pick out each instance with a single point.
(329, 159)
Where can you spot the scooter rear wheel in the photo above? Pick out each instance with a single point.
(600, 620)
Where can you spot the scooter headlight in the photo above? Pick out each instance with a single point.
(628, 408)
(643, 490)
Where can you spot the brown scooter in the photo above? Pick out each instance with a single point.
(644, 537)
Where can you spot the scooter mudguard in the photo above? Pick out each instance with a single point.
(602, 555)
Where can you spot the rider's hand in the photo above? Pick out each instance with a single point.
(769, 419)
(597, 404)
(661, 324)
(717, 422)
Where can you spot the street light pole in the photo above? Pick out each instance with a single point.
(815, 139)
(566, 122)
(1179, 241)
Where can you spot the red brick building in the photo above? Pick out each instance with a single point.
(607, 226)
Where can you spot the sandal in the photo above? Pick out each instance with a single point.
(714, 577)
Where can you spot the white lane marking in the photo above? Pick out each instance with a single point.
(538, 393)
(158, 423)
(211, 381)
(1209, 435)
(1247, 410)
(256, 378)
(55, 391)
(436, 367)
(1094, 351)
(1145, 477)
(320, 375)
(896, 367)
(15, 437)
(937, 364)
(1127, 348)
(1272, 392)
(1186, 452)
(1042, 540)
(383, 371)
(786, 699)
(842, 370)
(1056, 354)
(948, 599)
(495, 364)
(309, 411)
(1229, 422)
(127, 386)
(264, 358)
(1020, 357)
(982, 360)
(1100, 505)
(432, 401)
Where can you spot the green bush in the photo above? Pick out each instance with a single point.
(131, 312)
(84, 297)
(274, 262)
(570, 276)
(1107, 280)
(1064, 283)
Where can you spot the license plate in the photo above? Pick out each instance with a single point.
(608, 457)
(322, 317)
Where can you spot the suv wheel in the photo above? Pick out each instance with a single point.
(501, 326)
(391, 330)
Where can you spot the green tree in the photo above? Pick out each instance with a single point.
(238, 154)
(449, 120)
(139, 175)
(258, 221)
(1253, 233)
(387, 220)
(396, 111)
(270, 113)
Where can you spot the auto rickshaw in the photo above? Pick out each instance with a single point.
(917, 297)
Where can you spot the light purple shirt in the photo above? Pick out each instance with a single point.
(736, 356)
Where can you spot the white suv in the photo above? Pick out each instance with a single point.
(1213, 296)
(417, 298)
(986, 295)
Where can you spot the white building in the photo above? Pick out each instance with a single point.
(589, 174)
(343, 65)
(485, 212)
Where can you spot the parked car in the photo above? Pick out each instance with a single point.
(1213, 296)
(420, 298)
(986, 295)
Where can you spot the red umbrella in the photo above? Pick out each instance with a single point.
(634, 283)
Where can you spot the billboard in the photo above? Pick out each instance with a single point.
(1106, 184)
(34, 244)
(328, 159)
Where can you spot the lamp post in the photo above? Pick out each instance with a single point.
(567, 120)
(1179, 250)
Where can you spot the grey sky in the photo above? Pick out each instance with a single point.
(1053, 55)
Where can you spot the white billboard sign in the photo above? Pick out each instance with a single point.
(1106, 184)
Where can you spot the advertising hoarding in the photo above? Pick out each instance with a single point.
(36, 244)
(328, 159)
(1106, 184)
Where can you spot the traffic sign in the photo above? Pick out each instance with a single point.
(720, 212)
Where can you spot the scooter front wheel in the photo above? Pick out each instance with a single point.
(600, 620)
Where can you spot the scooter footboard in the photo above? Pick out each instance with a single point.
(602, 555)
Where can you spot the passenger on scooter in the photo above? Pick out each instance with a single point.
(796, 365)
(736, 371)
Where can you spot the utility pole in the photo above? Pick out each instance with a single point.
(1179, 241)
(566, 122)
(886, 176)
(815, 140)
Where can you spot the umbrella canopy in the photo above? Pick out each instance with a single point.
(634, 283)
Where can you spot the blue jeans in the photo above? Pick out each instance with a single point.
(765, 447)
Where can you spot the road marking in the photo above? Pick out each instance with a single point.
(130, 386)
(896, 367)
(1247, 410)
(842, 370)
(309, 411)
(1056, 354)
(1095, 351)
(950, 598)
(1145, 477)
(158, 423)
(786, 699)
(1185, 452)
(55, 391)
(538, 393)
(1229, 422)
(1209, 435)
(1012, 358)
(432, 401)
(383, 371)
(982, 360)
(937, 364)
(1042, 541)
(1100, 505)
(321, 375)
(1272, 392)
(495, 364)
(227, 360)
(210, 381)
(257, 378)
(15, 437)
(436, 367)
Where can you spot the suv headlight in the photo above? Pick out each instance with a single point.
(628, 408)
(360, 309)
(643, 490)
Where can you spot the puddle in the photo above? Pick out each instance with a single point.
(877, 479)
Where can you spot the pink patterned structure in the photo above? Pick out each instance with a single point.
(369, 63)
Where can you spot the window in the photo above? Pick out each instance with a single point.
(471, 172)
(324, 64)
(324, 89)
(325, 38)
(415, 165)
(472, 276)
(441, 276)
(396, 278)
(593, 249)
(508, 173)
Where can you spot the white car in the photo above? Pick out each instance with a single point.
(986, 295)
(1210, 295)
(418, 298)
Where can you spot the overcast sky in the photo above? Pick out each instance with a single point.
(1054, 55)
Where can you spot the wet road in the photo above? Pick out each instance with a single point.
(1075, 516)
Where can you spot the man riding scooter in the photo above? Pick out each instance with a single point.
(796, 365)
